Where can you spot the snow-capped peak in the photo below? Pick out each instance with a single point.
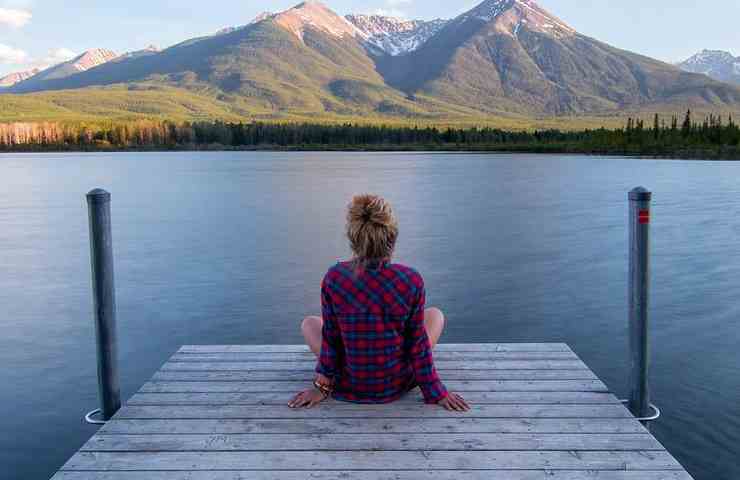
(706, 57)
(92, 58)
(394, 36)
(316, 15)
(718, 64)
(16, 77)
(262, 16)
(511, 15)
(259, 18)
(144, 52)
(381, 24)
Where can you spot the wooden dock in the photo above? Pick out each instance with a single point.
(220, 413)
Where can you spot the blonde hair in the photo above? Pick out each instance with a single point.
(372, 229)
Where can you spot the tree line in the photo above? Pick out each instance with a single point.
(664, 136)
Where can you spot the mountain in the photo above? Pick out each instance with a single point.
(262, 16)
(85, 61)
(718, 64)
(380, 34)
(17, 77)
(150, 50)
(503, 59)
(394, 36)
(306, 59)
(81, 63)
(314, 16)
(513, 55)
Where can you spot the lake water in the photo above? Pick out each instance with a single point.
(215, 248)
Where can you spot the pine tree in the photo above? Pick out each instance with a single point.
(686, 127)
(656, 127)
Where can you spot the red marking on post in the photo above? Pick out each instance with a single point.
(644, 217)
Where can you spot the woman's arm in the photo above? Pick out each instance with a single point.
(420, 352)
(422, 361)
(331, 338)
(328, 365)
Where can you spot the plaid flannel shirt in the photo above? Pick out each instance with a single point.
(375, 346)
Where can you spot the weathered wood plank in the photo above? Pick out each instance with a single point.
(337, 410)
(308, 356)
(421, 460)
(371, 442)
(460, 386)
(452, 365)
(381, 475)
(281, 398)
(444, 347)
(219, 413)
(449, 425)
(308, 374)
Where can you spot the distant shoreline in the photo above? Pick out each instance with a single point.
(725, 153)
(712, 139)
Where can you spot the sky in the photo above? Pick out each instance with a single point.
(41, 32)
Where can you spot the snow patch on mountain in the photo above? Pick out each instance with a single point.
(510, 16)
(17, 77)
(315, 15)
(395, 36)
(385, 35)
(92, 58)
(150, 50)
(708, 60)
(718, 64)
(262, 16)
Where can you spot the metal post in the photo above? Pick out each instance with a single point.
(104, 295)
(639, 301)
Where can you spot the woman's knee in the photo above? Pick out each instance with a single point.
(434, 321)
(311, 325)
(435, 315)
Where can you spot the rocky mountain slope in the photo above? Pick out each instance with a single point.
(82, 63)
(501, 58)
(514, 56)
(394, 36)
(306, 59)
(150, 50)
(718, 64)
(17, 77)
(85, 61)
(381, 34)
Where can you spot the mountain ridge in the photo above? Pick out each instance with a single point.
(81, 63)
(394, 36)
(509, 58)
(16, 77)
(718, 64)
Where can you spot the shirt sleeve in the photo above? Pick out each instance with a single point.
(331, 339)
(420, 352)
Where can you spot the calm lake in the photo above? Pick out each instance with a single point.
(230, 248)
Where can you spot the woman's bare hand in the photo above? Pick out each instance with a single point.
(455, 403)
(307, 399)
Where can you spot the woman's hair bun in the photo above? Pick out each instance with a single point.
(371, 208)
(372, 227)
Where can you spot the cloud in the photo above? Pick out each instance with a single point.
(394, 8)
(20, 59)
(53, 57)
(12, 55)
(14, 18)
(58, 55)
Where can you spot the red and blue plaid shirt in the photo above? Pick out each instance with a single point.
(375, 346)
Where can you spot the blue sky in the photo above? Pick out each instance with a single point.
(35, 32)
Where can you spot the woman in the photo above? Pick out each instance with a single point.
(374, 343)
